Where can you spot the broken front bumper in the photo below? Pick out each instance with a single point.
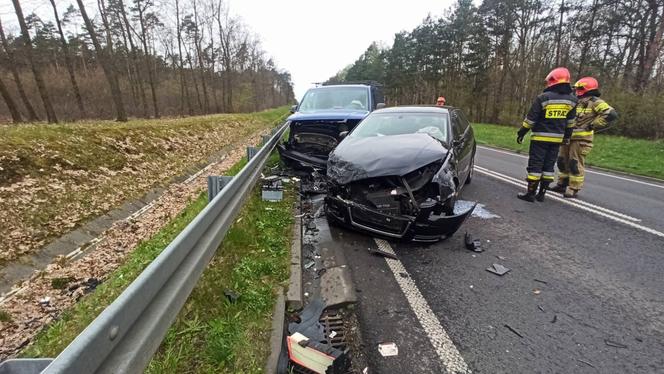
(300, 159)
(426, 227)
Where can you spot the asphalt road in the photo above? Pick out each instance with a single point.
(585, 293)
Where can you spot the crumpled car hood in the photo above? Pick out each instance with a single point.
(361, 158)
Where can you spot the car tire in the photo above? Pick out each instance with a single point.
(471, 172)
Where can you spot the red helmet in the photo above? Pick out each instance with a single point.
(585, 84)
(440, 101)
(557, 76)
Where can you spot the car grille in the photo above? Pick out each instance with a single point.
(391, 225)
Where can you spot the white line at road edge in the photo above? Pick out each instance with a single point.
(442, 344)
(558, 196)
(587, 170)
(505, 178)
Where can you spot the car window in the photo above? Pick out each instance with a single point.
(456, 125)
(331, 98)
(463, 121)
(386, 124)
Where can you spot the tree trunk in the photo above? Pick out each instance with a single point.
(13, 109)
(144, 40)
(654, 45)
(32, 115)
(68, 62)
(134, 59)
(106, 64)
(184, 90)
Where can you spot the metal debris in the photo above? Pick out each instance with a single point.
(309, 264)
(541, 281)
(498, 269)
(585, 362)
(388, 349)
(540, 308)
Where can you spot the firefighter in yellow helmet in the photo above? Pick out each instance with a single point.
(551, 118)
(591, 113)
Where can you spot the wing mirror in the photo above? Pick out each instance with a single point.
(343, 134)
(380, 105)
(293, 109)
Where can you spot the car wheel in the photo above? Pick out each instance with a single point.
(471, 172)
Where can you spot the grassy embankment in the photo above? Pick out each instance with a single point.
(637, 156)
(54, 177)
(211, 334)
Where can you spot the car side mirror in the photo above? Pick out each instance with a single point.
(343, 134)
(293, 109)
(380, 105)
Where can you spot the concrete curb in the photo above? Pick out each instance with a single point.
(294, 296)
(336, 285)
(277, 336)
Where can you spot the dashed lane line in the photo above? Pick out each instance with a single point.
(587, 170)
(445, 349)
(508, 179)
(560, 196)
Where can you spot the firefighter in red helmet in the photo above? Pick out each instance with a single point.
(591, 113)
(440, 101)
(551, 119)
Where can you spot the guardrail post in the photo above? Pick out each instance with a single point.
(251, 152)
(216, 183)
(265, 139)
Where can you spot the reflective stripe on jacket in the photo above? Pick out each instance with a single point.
(591, 113)
(551, 114)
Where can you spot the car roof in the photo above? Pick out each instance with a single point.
(340, 85)
(415, 109)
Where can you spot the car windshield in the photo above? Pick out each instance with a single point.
(326, 98)
(384, 124)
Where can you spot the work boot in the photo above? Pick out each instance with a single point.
(529, 195)
(570, 193)
(544, 185)
(559, 187)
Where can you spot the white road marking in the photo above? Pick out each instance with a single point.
(447, 352)
(507, 179)
(587, 170)
(560, 196)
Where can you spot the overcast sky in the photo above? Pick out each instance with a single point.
(312, 39)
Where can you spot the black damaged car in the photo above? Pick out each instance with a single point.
(323, 114)
(399, 172)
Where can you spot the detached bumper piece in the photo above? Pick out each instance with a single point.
(299, 159)
(425, 227)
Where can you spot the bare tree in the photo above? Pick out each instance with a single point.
(11, 105)
(27, 43)
(13, 67)
(141, 8)
(107, 65)
(68, 61)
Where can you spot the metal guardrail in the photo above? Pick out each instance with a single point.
(125, 336)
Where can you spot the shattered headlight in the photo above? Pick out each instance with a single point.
(445, 180)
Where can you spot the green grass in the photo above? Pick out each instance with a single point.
(637, 156)
(211, 334)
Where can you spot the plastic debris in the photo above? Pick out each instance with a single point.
(45, 301)
(540, 281)
(498, 269)
(332, 334)
(540, 308)
(611, 343)
(388, 349)
(585, 362)
(309, 264)
(378, 251)
(537, 291)
(513, 330)
(555, 318)
(231, 295)
(473, 245)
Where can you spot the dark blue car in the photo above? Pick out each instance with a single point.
(321, 119)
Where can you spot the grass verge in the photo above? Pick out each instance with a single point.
(637, 156)
(211, 334)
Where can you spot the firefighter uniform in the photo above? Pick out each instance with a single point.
(591, 113)
(551, 119)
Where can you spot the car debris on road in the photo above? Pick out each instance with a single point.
(498, 269)
(388, 349)
(474, 245)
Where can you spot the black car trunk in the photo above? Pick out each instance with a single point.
(318, 138)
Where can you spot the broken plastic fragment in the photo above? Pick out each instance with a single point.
(333, 334)
(473, 245)
(45, 301)
(388, 349)
(498, 269)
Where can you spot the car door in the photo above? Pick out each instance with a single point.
(463, 144)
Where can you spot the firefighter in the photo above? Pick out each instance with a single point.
(551, 119)
(591, 113)
(440, 101)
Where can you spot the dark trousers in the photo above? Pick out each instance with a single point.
(541, 161)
